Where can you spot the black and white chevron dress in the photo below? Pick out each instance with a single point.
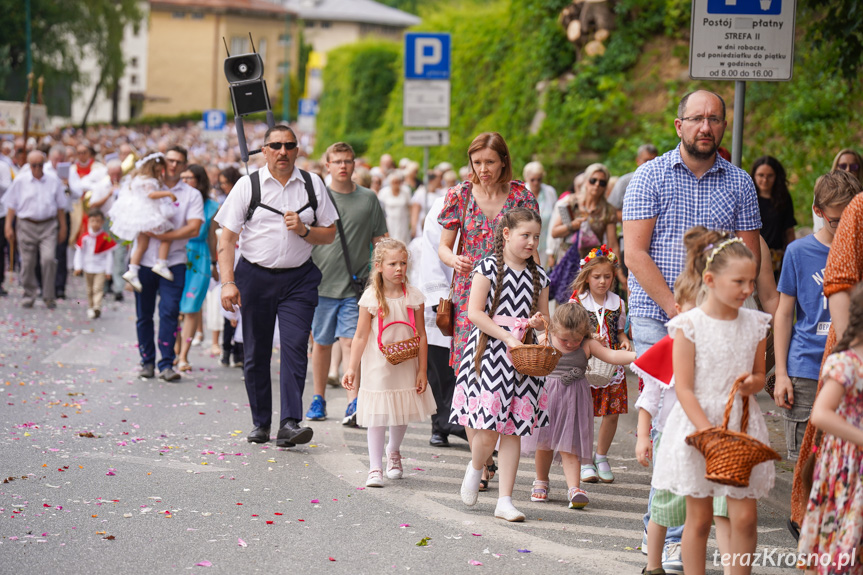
(501, 399)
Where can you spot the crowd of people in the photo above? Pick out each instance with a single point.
(717, 292)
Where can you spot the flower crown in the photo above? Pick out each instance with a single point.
(718, 249)
(600, 252)
(145, 159)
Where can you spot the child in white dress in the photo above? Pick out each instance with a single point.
(144, 208)
(390, 395)
(714, 344)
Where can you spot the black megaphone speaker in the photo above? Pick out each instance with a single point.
(244, 68)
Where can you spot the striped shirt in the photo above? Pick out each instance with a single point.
(724, 198)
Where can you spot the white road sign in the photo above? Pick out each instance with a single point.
(426, 103)
(742, 40)
(427, 138)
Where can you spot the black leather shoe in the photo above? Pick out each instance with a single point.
(259, 435)
(291, 434)
(439, 440)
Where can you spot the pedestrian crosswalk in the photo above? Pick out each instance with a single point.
(610, 526)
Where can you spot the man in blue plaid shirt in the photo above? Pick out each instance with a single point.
(689, 186)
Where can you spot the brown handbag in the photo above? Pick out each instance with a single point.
(445, 318)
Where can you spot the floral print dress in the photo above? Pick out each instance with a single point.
(834, 516)
(461, 212)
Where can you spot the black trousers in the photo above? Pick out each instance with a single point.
(3, 245)
(442, 383)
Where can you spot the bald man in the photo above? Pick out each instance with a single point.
(37, 203)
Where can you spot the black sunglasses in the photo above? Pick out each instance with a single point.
(849, 167)
(602, 183)
(276, 146)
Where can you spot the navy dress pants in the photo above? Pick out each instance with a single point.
(169, 311)
(291, 296)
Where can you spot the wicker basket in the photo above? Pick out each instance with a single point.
(403, 350)
(599, 373)
(731, 455)
(534, 360)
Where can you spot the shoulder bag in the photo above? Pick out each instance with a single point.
(445, 317)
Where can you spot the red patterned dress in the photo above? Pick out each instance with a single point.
(460, 212)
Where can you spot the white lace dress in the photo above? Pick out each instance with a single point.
(134, 212)
(724, 349)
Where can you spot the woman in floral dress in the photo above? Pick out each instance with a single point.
(474, 208)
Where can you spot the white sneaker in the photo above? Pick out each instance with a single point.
(468, 496)
(196, 341)
(376, 478)
(91, 313)
(512, 514)
(132, 279)
(671, 559)
(644, 542)
(394, 465)
(162, 270)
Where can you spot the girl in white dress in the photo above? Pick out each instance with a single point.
(144, 207)
(714, 344)
(390, 395)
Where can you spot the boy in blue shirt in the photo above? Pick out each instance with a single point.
(799, 346)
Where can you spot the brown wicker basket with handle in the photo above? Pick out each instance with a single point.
(403, 350)
(535, 360)
(731, 455)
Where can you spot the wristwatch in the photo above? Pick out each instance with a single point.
(308, 231)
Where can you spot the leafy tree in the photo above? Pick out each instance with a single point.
(836, 26)
(61, 32)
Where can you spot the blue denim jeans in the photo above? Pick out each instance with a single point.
(646, 332)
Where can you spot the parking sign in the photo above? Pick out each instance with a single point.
(214, 120)
(427, 56)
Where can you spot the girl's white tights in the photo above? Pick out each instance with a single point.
(376, 442)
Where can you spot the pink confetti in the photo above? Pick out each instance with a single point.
(315, 501)
(241, 543)
(111, 471)
(477, 534)
(474, 562)
(204, 564)
(405, 525)
(360, 488)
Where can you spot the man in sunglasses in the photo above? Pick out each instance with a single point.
(689, 186)
(275, 277)
(37, 203)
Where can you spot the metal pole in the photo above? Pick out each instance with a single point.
(737, 129)
(427, 199)
(286, 84)
(29, 38)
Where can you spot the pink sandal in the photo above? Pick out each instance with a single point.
(539, 491)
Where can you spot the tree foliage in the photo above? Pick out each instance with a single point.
(836, 27)
(61, 33)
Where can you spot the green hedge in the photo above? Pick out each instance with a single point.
(359, 79)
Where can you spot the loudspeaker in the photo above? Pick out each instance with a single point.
(244, 68)
(250, 97)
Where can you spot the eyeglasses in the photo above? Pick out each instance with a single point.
(848, 167)
(712, 120)
(602, 183)
(832, 222)
(342, 162)
(276, 146)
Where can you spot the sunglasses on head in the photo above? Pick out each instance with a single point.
(849, 167)
(276, 146)
(602, 183)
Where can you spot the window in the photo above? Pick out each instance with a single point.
(134, 62)
(310, 23)
(178, 15)
(239, 45)
(284, 67)
(197, 15)
(285, 39)
(134, 79)
(326, 23)
(262, 48)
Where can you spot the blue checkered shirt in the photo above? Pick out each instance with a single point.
(666, 189)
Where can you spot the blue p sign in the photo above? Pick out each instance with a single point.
(214, 119)
(427, 56)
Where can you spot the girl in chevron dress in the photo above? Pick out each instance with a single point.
(509, 293)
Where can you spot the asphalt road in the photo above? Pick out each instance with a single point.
(104, 473)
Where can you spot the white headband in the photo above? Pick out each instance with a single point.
(144, 160)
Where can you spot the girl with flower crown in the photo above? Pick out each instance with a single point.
(592, 289)
(144, 208)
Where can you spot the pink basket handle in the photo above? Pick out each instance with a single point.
(382, 327)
